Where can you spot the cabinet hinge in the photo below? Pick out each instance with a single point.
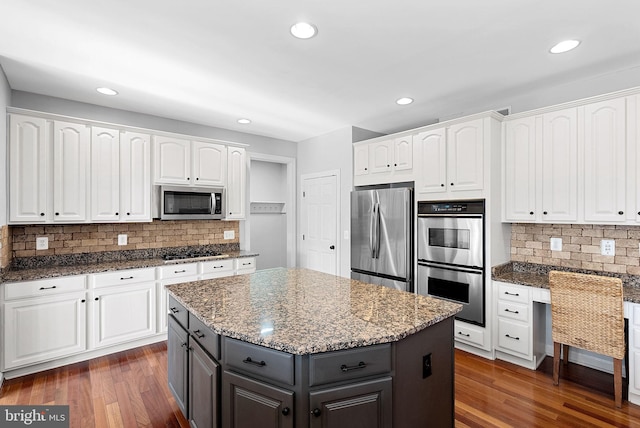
(303, 236)
(304, 194)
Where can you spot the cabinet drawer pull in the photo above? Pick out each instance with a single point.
(218, 267)
(513, 312)
(180, 271)
(512, 294)
(511, 337)
(174, 310)
(198, 334)
(346, 368)
(47, 288)
(246, 264)
(125, 278)
(248, 360)
(464, 334)
(184, 344)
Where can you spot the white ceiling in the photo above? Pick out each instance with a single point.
(214, 61)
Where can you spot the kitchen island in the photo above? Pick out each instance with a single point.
(295, 347)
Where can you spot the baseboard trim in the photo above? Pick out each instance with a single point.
(84, 356)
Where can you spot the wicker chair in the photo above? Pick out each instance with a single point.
(587, 312)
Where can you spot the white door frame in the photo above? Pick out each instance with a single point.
(329, 173)
(290, 204)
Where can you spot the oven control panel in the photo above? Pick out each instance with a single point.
(453, 207)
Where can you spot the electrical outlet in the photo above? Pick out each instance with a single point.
(229, 234)
(556, 244)
(42, 243)
(426, 366)
(122, 239)
(608, 247)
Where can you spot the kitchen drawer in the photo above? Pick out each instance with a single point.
(44, 287)
(258, 360)
(217, 268)
(349, 364)
(179, 312)
(205, 336)
(474, 336)
(514, 336)
(513, 293)
(514, 311)
(123, 277)
(245, 265)
(180, 270)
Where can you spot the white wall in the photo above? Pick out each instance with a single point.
(54, 105)
(5, 100)
(268, 232)
(333, 151)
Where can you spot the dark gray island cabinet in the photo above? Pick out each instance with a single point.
(298, 348)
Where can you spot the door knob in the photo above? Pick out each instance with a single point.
(333, 247)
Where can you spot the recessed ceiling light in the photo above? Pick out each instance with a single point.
(564, 46)
(303, 30)
(107, 91)
(404, 101)
(244, 121)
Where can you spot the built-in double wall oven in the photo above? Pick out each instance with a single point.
(451, 255)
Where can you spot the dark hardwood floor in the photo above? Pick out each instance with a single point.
(129, 389)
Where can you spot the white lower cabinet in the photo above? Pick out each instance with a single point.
(47, 320)
(632, 311)
(123, 313)
(520, 325)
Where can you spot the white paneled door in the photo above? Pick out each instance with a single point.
(319, 214)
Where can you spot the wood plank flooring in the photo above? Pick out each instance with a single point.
(129, 389)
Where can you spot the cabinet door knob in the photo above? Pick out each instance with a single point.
(57, 213)
(286, 411)
(364, 169)
(395, 164)
(197, 178)
(117, 214)
(544, 212)
(452, 184)
(316, 412)
(42, 214)
(441, 184)
(333, 247)
(388, 165)
(128, 213)
(95, 299)
(620, 212)
(530, 212)
(82, 301)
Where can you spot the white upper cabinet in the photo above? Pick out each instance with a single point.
(236, 183)
(189, 163)
(432, 176)
(520, 170)
(105, 174)
(605, 157)
(172, 160)
(135, 176)
(386, 161)
(560, 166)
(361, 159)
(29, 168)
(465, 156)
(70, 159)
(209, 164)
(585, 168)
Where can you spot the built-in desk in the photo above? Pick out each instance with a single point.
(523, 323)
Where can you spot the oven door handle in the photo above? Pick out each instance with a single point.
(467, 269)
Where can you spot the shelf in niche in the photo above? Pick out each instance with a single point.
(267, 208)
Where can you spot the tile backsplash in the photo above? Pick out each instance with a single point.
(93, 238)
(580, 246)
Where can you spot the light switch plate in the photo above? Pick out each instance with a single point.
(556, 244)
(229, 234)
(608, 247)
(42, 243)
(122, 239)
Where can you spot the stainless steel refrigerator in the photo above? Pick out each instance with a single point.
(382, 237)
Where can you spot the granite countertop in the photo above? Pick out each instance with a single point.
(31, 274)
(301, 311)
(535, 275)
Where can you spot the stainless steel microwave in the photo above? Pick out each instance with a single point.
(191, 203)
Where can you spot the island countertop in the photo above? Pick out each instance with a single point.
(301, 311)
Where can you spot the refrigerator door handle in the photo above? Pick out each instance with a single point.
(376, 231)
(372, 233)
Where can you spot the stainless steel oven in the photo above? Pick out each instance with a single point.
(451, 255)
